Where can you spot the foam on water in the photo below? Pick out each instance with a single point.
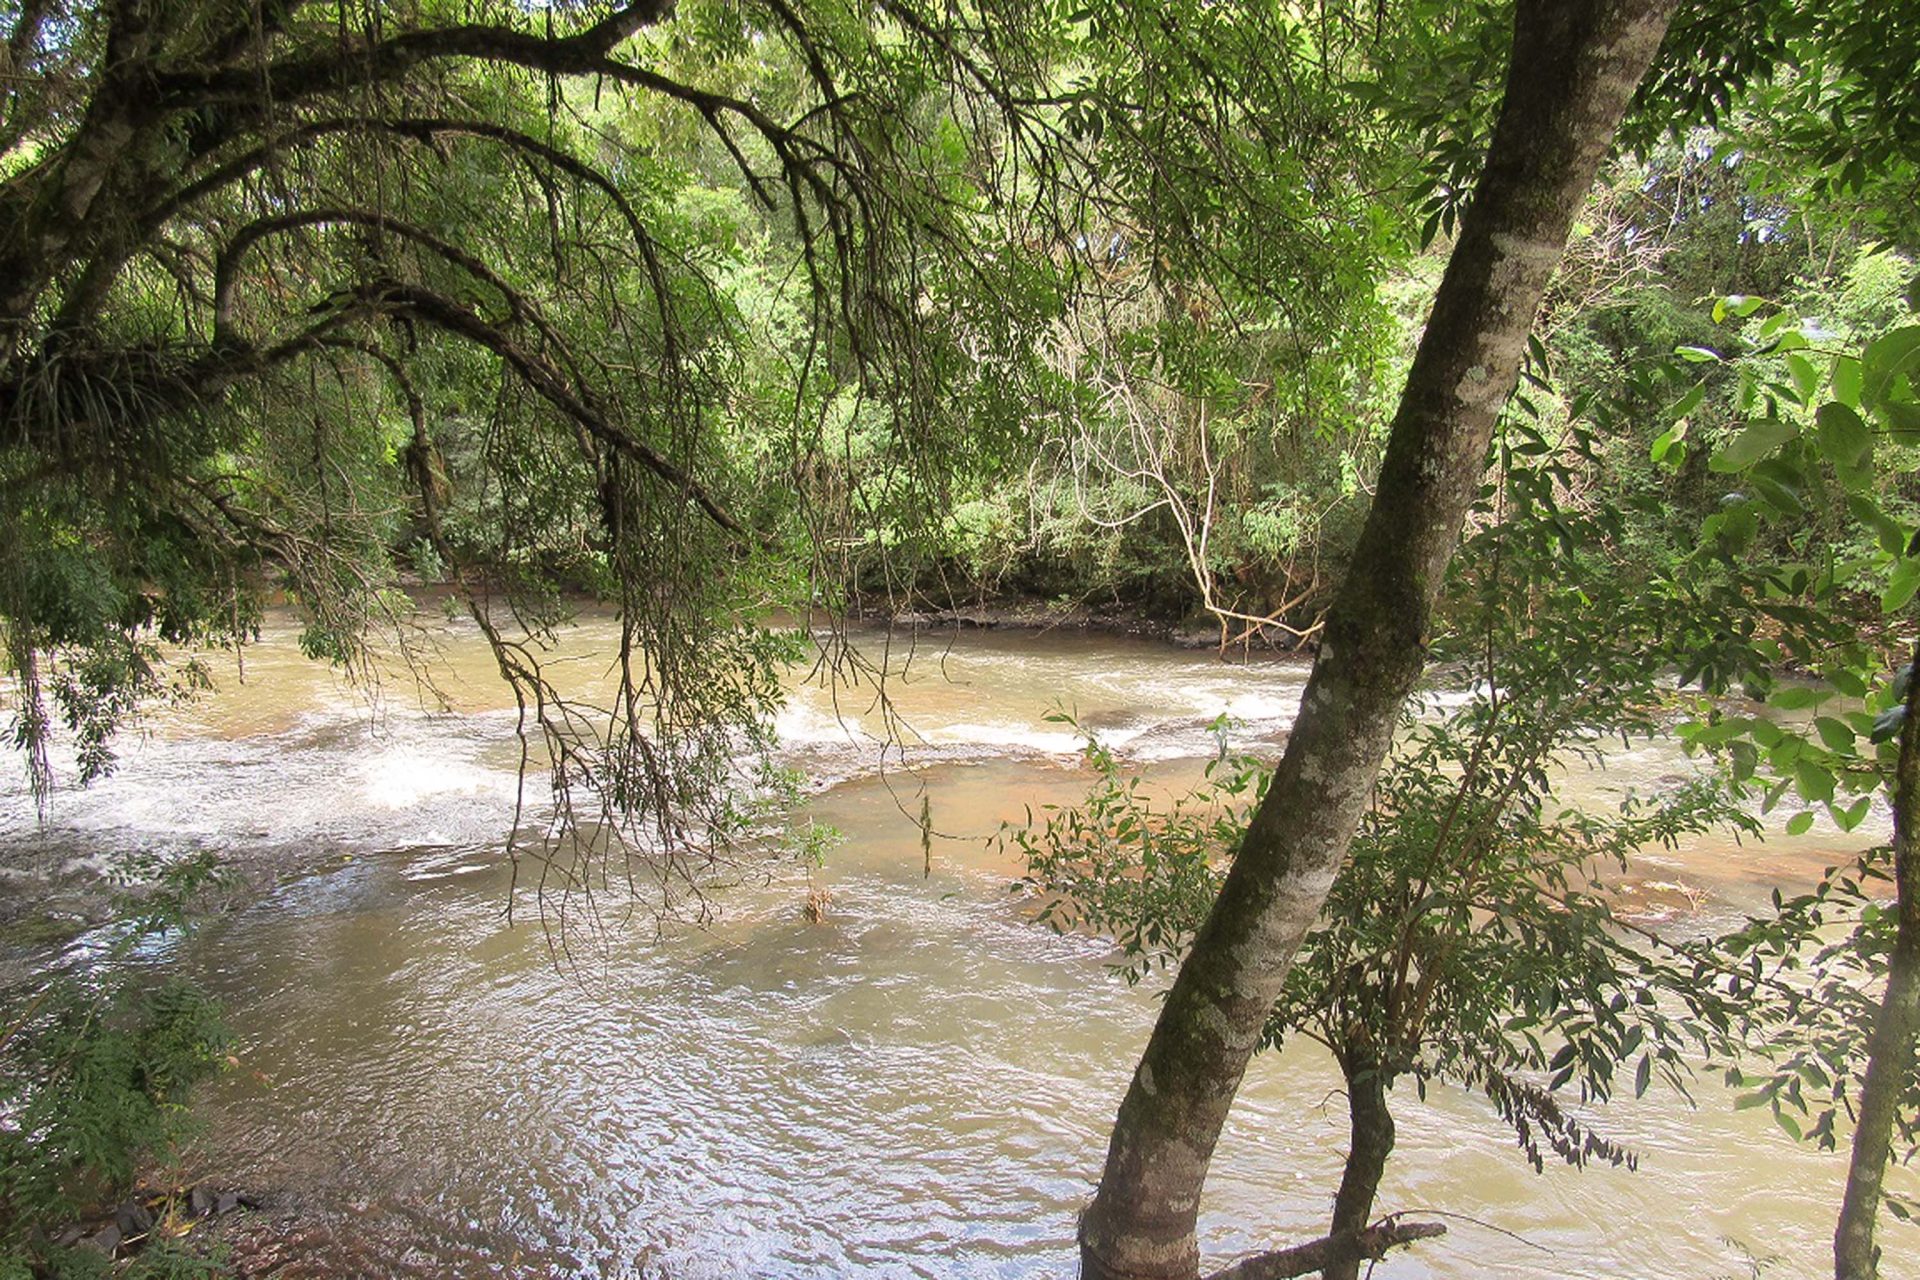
(403, 777)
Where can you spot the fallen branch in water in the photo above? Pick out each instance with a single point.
(1320, 1254)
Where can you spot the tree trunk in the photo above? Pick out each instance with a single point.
(1574, 67)
(1890, 1052)
(1370, 1122)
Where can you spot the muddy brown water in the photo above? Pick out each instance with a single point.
(919, 1085)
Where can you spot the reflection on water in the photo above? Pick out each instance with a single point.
(919, 1085)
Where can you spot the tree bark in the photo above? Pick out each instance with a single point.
(1890, 1051)
(1574, 68)
(1370, 1125)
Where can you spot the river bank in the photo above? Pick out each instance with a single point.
(1040, 616)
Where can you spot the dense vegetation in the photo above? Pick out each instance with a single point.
(715, 309)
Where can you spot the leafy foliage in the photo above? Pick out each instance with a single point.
(1812, 974)
(1819, 524)
(95, 1069)
(1473, 936)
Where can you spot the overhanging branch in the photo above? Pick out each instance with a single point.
(548, 383)
(354, 63)
(226, 272)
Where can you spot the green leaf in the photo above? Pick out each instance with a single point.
(1813, 781)
(1745, 760)
(1886, 363)
(1854, 814)
(1901, 585)
(1806, 378)
(1892, 538)
(1781, 497)
(1900, 415)
(1430, 228)
(1847, 682)
(1687, 403)
(1786, 1122)
(1776, 793)
(1666, 440)
(1698, 355)
(1846, 381)
(1843, 436)
(1738, 525)
(1750, 446)
(1642, 1075)
(1798, 697)
(1800, 823)
(1833, 733)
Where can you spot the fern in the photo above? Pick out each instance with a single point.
(95, 1067)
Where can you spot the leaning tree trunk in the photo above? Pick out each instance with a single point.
(1370, 1125)
(1890, 1052)
(1575, 65)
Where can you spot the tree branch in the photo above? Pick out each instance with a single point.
(226, 273)
(547, 382)
(353, 63)
(1373, 1243)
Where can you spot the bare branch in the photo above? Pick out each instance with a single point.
(1373, 1243)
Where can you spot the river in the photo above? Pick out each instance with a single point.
(918, 1084)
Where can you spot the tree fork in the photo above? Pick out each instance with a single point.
(1574, 68)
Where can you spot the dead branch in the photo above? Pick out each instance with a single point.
(1373, 1243)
